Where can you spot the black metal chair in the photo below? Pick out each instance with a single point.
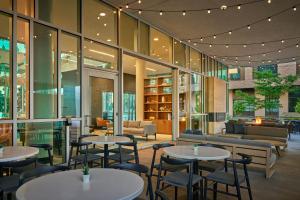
(48, 148)
(10, 182)
(166, 167)
(161, 195)
(230, 179)
(124, 150)
(140, 169)
(82, 158)
(92, 150)
(179, 179)
(210, 166)
(37, 172)
(125, 157)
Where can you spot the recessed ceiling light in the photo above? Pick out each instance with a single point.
(102, 14)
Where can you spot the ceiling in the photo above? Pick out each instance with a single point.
(200, 24)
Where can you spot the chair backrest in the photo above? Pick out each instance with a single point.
(77, 146)
(46, 147)
(37, 172)
(156, 147)
(135, 150)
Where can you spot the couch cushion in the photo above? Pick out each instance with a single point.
(266, 131)
(133, 130)
(192, 136)
(133, 124)
(125, 123)
(237, 141)
(143, 123)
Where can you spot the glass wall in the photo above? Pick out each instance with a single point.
(128, 32)
(64, 13)
(184, 98)
(25, 7)
(70, 75)
(100, 56)
(195, 60)
(144, 38)
(160, 45)
(179, 54)
(100, 21)
(45, 72)
(23, 49)
(5, 66)
(6, 134)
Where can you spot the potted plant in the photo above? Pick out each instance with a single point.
(85, 173)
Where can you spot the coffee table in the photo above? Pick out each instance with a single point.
(108, 184)
(274, 143)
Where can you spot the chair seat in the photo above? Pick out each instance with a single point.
(125, 157)
(210, 166)
(92, 151)
(123, 150)
(90, 157)
(180, 179)
(224, 178)
(9, 183)
(170, 168)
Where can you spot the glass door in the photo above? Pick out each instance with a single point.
(100, 102)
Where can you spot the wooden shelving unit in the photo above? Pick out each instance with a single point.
(158, 102)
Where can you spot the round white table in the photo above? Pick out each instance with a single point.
(108, 184)
(203, 153)
(106, 140)
(14, 153)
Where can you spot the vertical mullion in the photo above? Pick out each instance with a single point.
(58, 74)
(36, 10)
(14, 104)
(31, 75)
(81, 64)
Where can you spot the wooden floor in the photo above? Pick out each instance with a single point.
(283, 185)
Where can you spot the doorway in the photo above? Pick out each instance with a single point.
(100, 102)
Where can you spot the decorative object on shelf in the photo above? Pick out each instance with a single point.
(163, 99)
(85, 173)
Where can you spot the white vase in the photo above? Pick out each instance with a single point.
(196, 150)
(1, 150)
(86, 178)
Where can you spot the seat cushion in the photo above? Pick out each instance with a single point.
(224, 178)
(125, 157)
(180, 179)
(123, 150)
(210, 166)
(134, 130)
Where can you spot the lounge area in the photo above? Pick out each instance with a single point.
(149, 100)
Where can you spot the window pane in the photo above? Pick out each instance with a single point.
(45, 72)
(64, 13)
(53, 133)
(6, 134)
(70, 75)
(5, 65)
(195, 60)
(184, 91)
(100, 56)
(179, 54)
(6, 4)
(26, 7)
(161, 45)
(128, 32)
(100, 21)
(144, 38)
(23, 69)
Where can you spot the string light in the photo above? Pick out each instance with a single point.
(201, 39)
(294, 8)
(183, 13)
(297, 45)
(208, 11)
(263, 44)
(120, 9)
(269, 1)
(210, 45)
(249, 27)
(282, 41)
(127, 6)
(279, 51)
(161, 13)
(244, 46)
(215, 36)
(140, 12)
(230, 32)
(239, 7)
(227, 46)
(189, 40)
(139, 1)
(195, 44)
(269, 19)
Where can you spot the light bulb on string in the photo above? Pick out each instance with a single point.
(139, 1)
(269, 19)
(269, 1)
(208, 11)
(161, 13)
(230, 32)
(201, 39)
(215, 36)
(140, 12)
(294, 8)
(183, 13)
(239, 7)
(127, 6)
(210, 45)
(249, 27)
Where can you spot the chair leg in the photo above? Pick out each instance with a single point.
(215, 191)
(205, 189)
(249, 188)
(9, 196)
(238, 192)
(176, 192)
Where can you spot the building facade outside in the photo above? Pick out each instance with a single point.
(241, 78)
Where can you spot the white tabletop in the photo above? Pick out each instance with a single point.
(14, 153)
(203, 153)
(106, 139)
(106, 184)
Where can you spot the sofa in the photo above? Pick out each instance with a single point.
(141, 128)
(261, 152)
